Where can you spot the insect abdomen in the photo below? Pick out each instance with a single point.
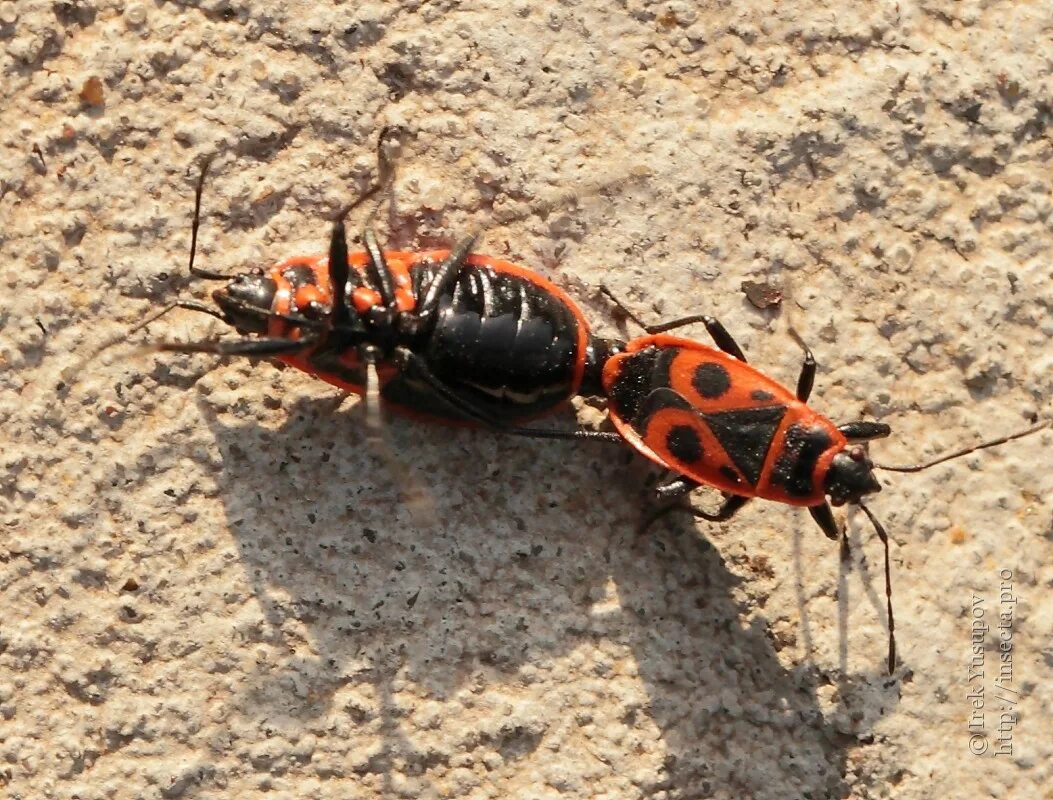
(511, 346)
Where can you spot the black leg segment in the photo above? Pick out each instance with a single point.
(864, 431)
(339, 273)
(678, 487)
(717, 331)
(824, 518)
(723, 339)
(806, 380)
(732, 503)
(378, 270)
(444, 278)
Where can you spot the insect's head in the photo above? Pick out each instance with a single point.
(850, 477)
(246, 302)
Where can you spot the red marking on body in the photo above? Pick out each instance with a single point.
(713, 458)
(306, 295)
(363, 299)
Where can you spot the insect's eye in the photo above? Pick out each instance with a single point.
(856, 454)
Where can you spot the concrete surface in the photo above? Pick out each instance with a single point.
(212, 587)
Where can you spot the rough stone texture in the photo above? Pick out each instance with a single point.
(212, 587)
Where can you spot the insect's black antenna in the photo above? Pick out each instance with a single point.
(883, 535)
(196, 223)
(965, 451)
(189, 305)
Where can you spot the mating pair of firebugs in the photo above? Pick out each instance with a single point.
(457, 337)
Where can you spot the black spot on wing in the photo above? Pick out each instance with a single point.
(683, 442)
(795, 466)
(711, 380)
(746, 435)
(761, 396)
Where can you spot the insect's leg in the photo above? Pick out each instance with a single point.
(339, 274)
(732, 503)
(716, 330)
(444, 278)
(368, 355)
(417, 498)
(720, 336)
(824, 518)
(339, 270)
(252, 348)
(681, 486)
(806, 380)
(384, 177)
(864, 431)
(343, 321)
(678, 487)
(415, 366)
(377, 269)
(197, 272)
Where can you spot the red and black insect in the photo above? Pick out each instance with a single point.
(444, 335)
(464, 338)
(710, 417)
(447, 335)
